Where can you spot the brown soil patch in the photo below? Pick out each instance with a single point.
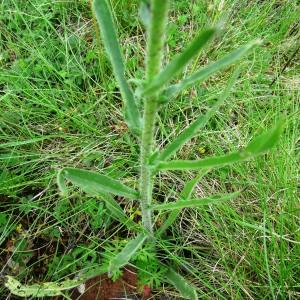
(103, 288)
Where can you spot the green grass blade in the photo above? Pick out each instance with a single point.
(122, 259)
(212, 68)
(30, 141)
(117, 212)
(179, 62)
(258, 146)
(185, 194)
(195, 202)
(199, 123)
(112, 46)
(190, 185)
(94, 183)
(185, 288)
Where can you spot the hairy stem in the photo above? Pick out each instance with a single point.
(156, 32)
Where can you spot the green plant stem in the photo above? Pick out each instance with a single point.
(146, 173)
(156, 32)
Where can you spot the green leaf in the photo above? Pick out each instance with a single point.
(184, 287)
(265, 141)
(179, 62)
(40, 289)
(199, 123)
(122, 259)
(112, 46)
(211, 162)
(258, 146)
(94, 183)
(195, 202)
(212, 68)
(113, 206)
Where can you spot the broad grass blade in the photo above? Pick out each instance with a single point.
(212, 68)
(199, 123)
(185, 288)
(195, 202)
(258, 146)
(179, 62)
(122, 259)
(111, 44)
(185, 194)
(94, 183)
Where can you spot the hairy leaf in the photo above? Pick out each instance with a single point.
(40, 289)
(179, 62)
(122, 259)
(184, 287)
(94, 183)
(212, 68)
(258, 146)
(199, 123)
(111, 44)
(195, 202)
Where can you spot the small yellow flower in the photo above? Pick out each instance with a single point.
(138, 212)
(19, 228)
(201, 150)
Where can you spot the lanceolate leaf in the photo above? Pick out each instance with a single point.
(39, 289)
(94, 183)
(185, 194)
(185, 288)
(111, 44)
(212, 68)
(195, 202)
(199, 123)
(258, 146)
(122, 259)
(179, 62)
(48, 289)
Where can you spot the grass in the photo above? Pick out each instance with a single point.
(60, 107)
